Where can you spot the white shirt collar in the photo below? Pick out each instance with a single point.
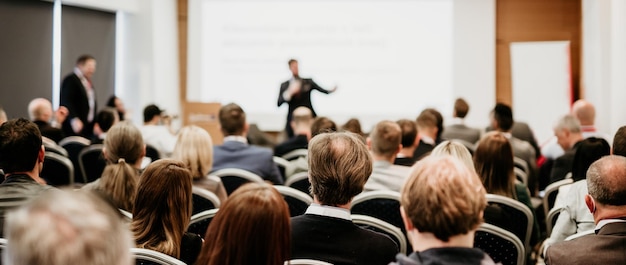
(427, 140)
(237, 138)
(78, 73)
(330, 211)
(457, 121)
(604, 222)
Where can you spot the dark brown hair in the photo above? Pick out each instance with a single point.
(493, 161)
(232, 119)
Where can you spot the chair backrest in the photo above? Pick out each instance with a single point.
(551, 218)
(501, 245)
(128, 217)
(295, 154)
(91, 162)
(521, 164)
(73, 145)
(306, 262)
(298, 201)
(201, 221)
(232, 178)
(511, 215)
(552, 190)
(521, 176)
(580, 234)
(148, 257)
(152, 153)
(381, 226)
(203, 200)
(54, 147)
(284, 166)
(57, 170)
(299, 181)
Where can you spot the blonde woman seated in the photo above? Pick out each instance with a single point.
(124, 151)
(195, 148)
(251, 227)
(163, 210)
(456, 150)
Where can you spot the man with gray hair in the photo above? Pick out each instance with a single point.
(569, 135)
(606, 181)
(67, 227)
(41, 113)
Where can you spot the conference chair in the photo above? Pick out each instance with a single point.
(297, 201)
(501, 245)
(284, 166)
(126, 215)
(295, 154)
(201, 221)
(299, 181)
(203, 200)
(152, 153)
(521, 164)
(91, 162)
(521, 175)
(57, 170)
(510, 215)
(232, 178)
(51, 146)
(150, 257)
(381, 226)
(73, 145)
(552, 190)
(551, 218)
(306, 262)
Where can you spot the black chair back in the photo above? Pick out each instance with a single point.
(297, 201)
(502, 246)
(91, 162)
(57, 170)
(152, 153)
(203, 200)
(200, 222)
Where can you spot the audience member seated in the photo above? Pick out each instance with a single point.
(235, 152)
(619, 142)
(354, 125)
(163, 210)
(117, 103)
(302, 118)
(326, 232)
(123, 151)
(409, 143)
(251, 227)
(439, 119)
(67, 227)
(458, 129)
(441, 228)
(40, 112)
(493, 161)
(569, 136)
(456, 150)
(575, 216)
(427, 134)
(21, 158)
(105, 119)
(607, 185)
(502, 121)
(322, 125)
(157, 131)
(194, 147)
(384, 144)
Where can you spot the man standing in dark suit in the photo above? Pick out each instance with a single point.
(297, 92)
(339, 167)
(79, 97)
(606, 181)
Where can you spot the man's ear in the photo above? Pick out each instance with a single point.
(408, 225)
(42, 153)
(368, 142)
(104, 153)
(591, 204)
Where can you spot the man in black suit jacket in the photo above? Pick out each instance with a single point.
(606, 181)
(301, 124)
(297, 92)
(40, 112)
(326, 232)
(79, 97)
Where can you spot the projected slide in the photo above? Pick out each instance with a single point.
(389, 59)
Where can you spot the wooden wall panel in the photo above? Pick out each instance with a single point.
(535, 20)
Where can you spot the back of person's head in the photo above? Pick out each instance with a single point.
(493, 161)
(123, 148)
(322, 125)
(444, 197)
(587, 152)
(503, 115)
(584, 111)
(251, 227)
(67, 227)
(162, 207)
(385, 139)
(232, 119)
(84, 58)
(40, 109)
(194, 147)
(339, 166)
(151, 111)
(106, 118)
(619, 142)
(569, 123)
(456, 150)
(606, 181)
(461, 108)
(438, 119)
(116, 103)
(426, 120)
(353, 125)
(20, 144)
(302, 115)
(409, 132)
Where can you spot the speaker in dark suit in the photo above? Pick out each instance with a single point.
(79, 97)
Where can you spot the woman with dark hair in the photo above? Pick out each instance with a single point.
(251, 227)
(163, 210)
(118, 104)
(575, 216)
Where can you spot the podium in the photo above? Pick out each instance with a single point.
(206, 116)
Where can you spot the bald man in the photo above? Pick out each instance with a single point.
(40, 112)
(302, 119)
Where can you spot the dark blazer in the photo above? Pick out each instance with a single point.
(563, 164)
(54, 134)
(293, 143)
(258, 160)
(301, 99)
(74, 98)
(422, 150)
(338, 241)
(462, 132)
(607, 246)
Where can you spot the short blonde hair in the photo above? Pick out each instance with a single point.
(195, 148)
(456, 150)
(444, 197)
